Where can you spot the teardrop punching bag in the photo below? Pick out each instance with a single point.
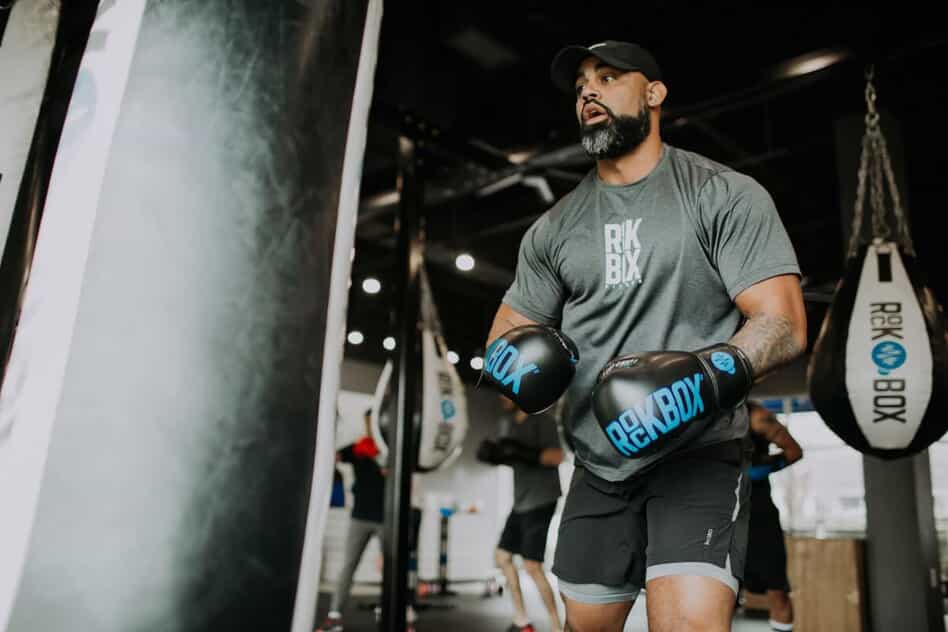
(877, 374)
(878, 370)
(443, 421)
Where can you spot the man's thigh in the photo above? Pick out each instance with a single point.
(697, 516)
(601, 539)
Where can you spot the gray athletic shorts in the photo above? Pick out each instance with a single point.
(688, 515)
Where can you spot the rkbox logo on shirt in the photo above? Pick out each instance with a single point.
(622, 251)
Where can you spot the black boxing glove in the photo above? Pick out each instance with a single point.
(487, 452)
(531, 365)
(643, 400)
(507, 451)
(510, 451)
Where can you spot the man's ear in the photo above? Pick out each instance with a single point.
(655, 93)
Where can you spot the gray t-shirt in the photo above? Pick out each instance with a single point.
(534, 485)
(649, 266)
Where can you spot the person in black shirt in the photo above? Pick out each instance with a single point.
(765, 570)
(530, 444)
(367, 517)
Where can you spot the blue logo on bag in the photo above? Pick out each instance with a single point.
(723, 362)
(447, 409)
(888, 356)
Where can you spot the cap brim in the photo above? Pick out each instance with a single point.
(563, 68)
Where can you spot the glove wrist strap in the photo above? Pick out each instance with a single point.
(731, 373)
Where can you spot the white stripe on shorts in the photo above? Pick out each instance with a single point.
(702, 569)
(597, 593)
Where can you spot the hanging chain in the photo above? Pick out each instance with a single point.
(875, 164)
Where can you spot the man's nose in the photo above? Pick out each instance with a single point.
(589, 92)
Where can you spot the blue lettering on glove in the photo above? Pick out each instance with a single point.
(501, 358)
(662, 411)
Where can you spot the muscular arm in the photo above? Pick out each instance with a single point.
(506, 319)
(765, 424)
(775, 331)
(551, 457)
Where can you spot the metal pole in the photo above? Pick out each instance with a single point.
(401, 462)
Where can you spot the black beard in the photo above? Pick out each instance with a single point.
(616, 136)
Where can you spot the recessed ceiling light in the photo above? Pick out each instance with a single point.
(371, 285)
(464, 262)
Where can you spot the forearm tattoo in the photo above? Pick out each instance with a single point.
(768, 342)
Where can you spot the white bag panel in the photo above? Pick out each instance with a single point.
(444, 417)
(888, 355)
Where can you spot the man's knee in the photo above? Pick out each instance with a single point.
(689, 602)
(503, 558)
(533, 567)
(584, 617)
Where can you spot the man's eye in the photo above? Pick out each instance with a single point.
(578, 89)
(608, 78)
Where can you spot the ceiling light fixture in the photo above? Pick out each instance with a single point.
(809, 63)
(371, 285)
(464, 262)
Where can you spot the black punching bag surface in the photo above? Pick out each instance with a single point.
(877, 374)
(180, 389)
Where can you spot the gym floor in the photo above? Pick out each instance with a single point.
(471, 611)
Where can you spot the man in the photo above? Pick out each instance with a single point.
(531, 446)
(663, 251)
(766, 568)
(368, 514)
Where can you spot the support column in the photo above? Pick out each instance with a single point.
(395, 597)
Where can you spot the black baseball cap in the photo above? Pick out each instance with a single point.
(622, 55)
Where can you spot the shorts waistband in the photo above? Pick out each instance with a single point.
(733, 451)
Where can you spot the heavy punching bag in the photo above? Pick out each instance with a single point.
(877, 374)
(169, 405)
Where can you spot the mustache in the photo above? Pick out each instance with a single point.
(605, 108)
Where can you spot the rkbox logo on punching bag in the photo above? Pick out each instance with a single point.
(888, 358)
(877, 375)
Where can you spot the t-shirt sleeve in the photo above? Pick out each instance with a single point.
(537, 291)
(747, 241)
